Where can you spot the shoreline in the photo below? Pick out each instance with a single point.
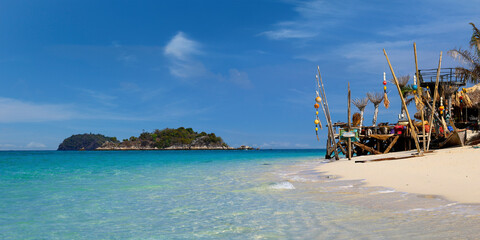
(452, 173)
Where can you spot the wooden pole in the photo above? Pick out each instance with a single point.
(329, 129)
(327, 113)
(349, 141)
(432, 109)
(420, 95)
(412, 127)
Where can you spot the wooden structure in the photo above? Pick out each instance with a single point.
(438, 127)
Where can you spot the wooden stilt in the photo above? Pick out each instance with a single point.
(414, 133)
(420, 95)
(349, 141)
(432, 109)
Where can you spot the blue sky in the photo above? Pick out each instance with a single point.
(242, 69)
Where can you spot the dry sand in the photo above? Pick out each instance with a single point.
(452, 173)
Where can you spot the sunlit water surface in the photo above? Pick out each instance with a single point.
(268, 194)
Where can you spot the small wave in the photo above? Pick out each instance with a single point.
(433, 208)
(385, 191)
(282, 186)
(300, 179)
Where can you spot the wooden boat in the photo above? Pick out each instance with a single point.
(456, 138)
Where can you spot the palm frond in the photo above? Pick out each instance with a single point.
(402, 81)
(407, 90)
(376, 98)
(464, 56)
(472, 73)
(409, 100)
(360, 103)
(475, 40)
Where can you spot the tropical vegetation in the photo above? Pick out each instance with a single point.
(469, 58)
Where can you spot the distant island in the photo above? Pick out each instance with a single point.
(166, 139)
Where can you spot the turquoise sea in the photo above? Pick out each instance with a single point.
(266, 194)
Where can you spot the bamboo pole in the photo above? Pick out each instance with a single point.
(329, 118)
(412, 127)
(330, 130)
(432, 109)
(349, 141)
(420, 95)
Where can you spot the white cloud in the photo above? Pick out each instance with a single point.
(181, 52)
(182, 48)
(183, 55)
(36, 145)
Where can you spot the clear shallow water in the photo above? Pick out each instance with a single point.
(209, 195)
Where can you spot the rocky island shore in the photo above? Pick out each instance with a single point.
(166, 139)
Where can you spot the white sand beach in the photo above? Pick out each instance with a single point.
(452, 173)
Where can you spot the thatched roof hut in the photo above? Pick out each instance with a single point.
(470, 97)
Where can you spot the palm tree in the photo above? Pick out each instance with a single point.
(376, 99)
(471, 59)
(361, 103)
(406, 89)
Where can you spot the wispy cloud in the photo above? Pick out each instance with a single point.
(239, 78)
(181, 52)
(124, 55)
(36, 145)
(102, 98)
(14, 111)
(312, 18)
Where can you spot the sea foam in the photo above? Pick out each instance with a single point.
(282, 186)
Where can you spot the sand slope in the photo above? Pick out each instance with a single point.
(453, 173)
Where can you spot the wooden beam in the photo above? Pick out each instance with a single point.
(339, 144)
(432, 109)
(419, 94)
(414, 133)
(392, 144)
(366, 148)
(349, 141)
